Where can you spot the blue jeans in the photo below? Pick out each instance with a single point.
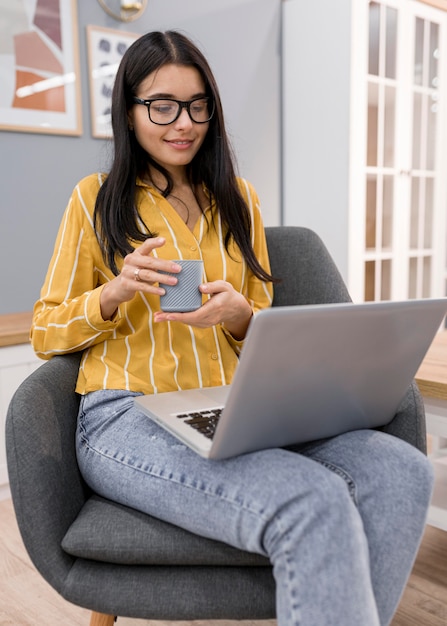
(340, 519)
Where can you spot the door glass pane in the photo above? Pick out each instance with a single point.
(390, 108)
(428, 230)
(434, 55)
(432, 115)
(373, 104)
(414, 216)
(374, 38)
(391, 42)
(385, 291)
(370, 277)
(418, 52)
(412, 279)
(426, 277)
(417, 118)
(387, 212)
(371, 212)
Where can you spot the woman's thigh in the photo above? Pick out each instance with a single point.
(126, 457)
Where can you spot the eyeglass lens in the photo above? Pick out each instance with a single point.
(166, 111)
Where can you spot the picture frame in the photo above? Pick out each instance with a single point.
(106, 47)
(39, 68)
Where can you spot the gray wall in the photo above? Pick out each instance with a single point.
(241, 39)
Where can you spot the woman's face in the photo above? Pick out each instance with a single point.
(174, 145)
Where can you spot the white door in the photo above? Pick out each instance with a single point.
(398, 154)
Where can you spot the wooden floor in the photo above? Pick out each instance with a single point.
(27, 600)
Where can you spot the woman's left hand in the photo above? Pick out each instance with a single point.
(225, 306)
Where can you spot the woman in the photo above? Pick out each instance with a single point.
(340, 519)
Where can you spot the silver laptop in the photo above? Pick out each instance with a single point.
(305, 373)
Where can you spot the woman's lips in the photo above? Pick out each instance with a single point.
(180, 144)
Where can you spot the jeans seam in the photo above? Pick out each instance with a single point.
(294, 607)
(352, 487)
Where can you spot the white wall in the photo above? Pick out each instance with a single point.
(16, 363)
(241, 39)
(316, 109)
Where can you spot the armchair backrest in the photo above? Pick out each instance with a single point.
(307, 271)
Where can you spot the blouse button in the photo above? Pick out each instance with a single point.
(214, 357)
(193, 248)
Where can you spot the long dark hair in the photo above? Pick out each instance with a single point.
(116, 216)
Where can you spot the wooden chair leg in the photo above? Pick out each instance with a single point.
(101, 619)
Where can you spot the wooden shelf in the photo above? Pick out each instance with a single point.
(431, 377)
(14, 328)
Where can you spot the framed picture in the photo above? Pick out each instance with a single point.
(106, 46)
(39, 68)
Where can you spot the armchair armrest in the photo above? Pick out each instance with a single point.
(40, 435)
(409, 422)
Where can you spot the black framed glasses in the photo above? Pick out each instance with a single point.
(164, 111)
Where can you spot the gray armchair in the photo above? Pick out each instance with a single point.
(114, 560)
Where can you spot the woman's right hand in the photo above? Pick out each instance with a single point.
(142, 271)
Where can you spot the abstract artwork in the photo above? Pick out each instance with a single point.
(39, 67)
(106, 47)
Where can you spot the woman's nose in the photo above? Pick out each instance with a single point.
(184, 119)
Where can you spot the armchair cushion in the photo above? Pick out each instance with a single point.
(108, 532)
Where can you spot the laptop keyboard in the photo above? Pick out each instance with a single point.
(204, 421)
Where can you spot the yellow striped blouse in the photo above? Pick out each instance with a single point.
(131, 351)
